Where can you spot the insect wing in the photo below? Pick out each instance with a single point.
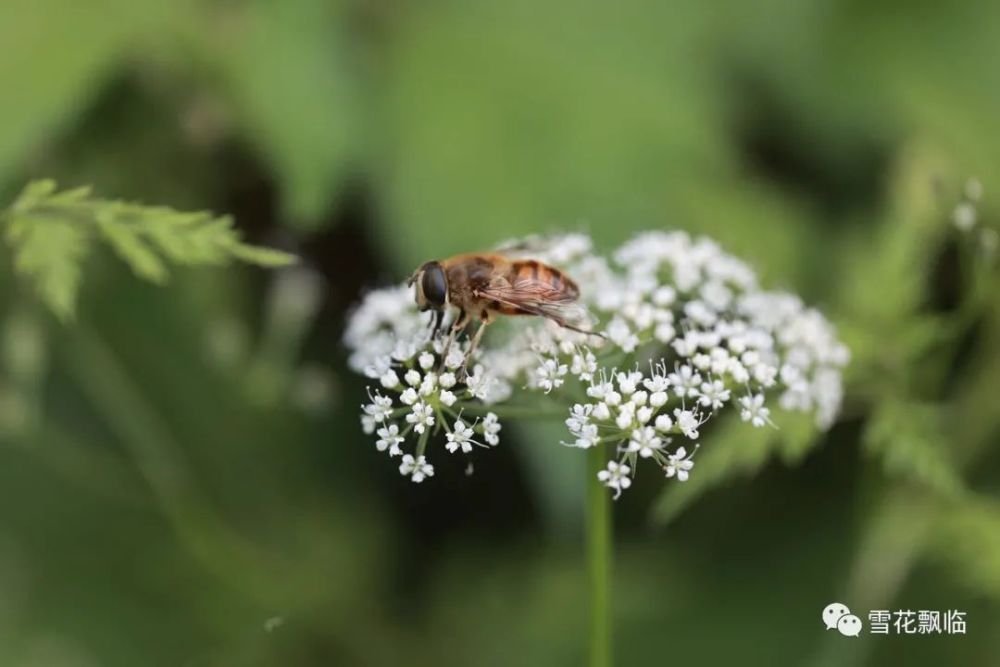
(539, 298)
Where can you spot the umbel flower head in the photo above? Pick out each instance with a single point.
(686, 333)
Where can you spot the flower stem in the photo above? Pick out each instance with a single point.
(422, 442)
(598, 560)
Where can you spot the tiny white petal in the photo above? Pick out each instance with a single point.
(389, 379)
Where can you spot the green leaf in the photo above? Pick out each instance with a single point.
(50, 251)
(57, 56)
(266, 257)
(54, 55)
(736, 448)
(291, 92)
(967, 539)
(896, 257)
(50, 232)
(128, 243)
(852, 74)
(34, 192)
(910, 440)
(502, 119)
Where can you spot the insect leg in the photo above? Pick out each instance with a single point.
(437, 318)
(473, 344)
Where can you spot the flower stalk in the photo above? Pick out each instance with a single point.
(599, 540)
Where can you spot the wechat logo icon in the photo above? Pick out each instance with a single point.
(837, 616)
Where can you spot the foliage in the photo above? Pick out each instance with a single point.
(967, 539)
(50, 234)
(902, 384)
(908, 437)
(737, 452)
(183, 463)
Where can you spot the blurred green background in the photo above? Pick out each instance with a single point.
(183, 480)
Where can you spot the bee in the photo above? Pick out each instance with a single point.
(481, 286)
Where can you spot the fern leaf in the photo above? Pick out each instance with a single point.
(266, 257)
(910, 440)
(51, 232)
(51, 252)
(128, 243)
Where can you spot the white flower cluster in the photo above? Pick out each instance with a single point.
(686, 332)
(421, 395)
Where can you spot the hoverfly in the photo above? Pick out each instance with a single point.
(484, 285)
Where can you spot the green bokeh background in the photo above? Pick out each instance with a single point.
(183, 480)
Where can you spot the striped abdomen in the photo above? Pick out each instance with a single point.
(535, 271)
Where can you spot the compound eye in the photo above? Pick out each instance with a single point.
(434, 285)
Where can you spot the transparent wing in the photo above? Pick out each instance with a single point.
(539, 298)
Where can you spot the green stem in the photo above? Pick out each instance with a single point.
(598, 560)
(120, 401)
(422, 442)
